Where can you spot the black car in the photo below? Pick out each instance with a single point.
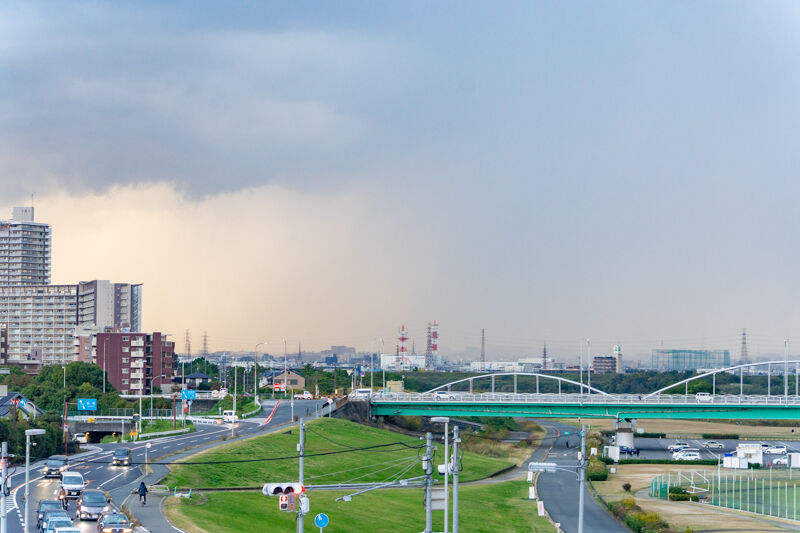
(628, 450)
(55, 465)
(43, 507)
(114, 522)
(122, 457)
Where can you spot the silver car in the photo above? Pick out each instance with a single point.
(92, 504)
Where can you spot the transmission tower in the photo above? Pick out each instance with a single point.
(743, 356)
(429, 362)
(204, 353)
(483, 349)
(544, 357)
(188, 346)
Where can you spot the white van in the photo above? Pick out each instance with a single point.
(361, 394)
(229, 416)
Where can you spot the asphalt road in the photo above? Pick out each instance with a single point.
(657, 448)
(120, 481)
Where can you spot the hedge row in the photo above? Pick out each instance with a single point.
(609, 461)
(635, 518)
(731, 436)
(646, 434)
(596, 471)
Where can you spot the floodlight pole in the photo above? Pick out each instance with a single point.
(581, 478)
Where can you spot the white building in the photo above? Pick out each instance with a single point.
(24, 249)
(498, 366)
(406, 362)
(110, 305)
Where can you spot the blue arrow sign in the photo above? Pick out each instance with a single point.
(22, 402)
(321, 520)
(87, 404)
(188, 394)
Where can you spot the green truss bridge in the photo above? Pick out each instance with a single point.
(453, 400)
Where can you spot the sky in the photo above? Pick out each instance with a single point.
(325, 172)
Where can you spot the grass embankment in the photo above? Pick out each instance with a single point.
(497, 508)
(322, 436)
(157, 426)
(243, 405)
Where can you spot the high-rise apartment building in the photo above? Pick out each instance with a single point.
(24, 249)
(43, 318)
(690, 359)
(136, 362)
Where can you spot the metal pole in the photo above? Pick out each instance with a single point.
(3, 512)
(382, 368)
(455, 477)
(769, 380)
(300, 450)
(580, 372)
(446, 471)
(233, 418)
(786, 370)
(428, 484)
(27, 480)
(741, 382)
(285, 371)
(589, 365)
(105, 372)
(581, 478)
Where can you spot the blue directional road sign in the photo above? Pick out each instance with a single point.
(86, 404)
(22, 402)
(321, 520)
(188, 394)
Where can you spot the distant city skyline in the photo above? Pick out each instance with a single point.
(547, 171)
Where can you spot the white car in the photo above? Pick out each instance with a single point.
(672, 448)
(680, 455)
(690, 456)
(305, 395)
(781, 461)
(443, 395)
(713, 444)
(361, 394)
(704, 397)
(776, 450)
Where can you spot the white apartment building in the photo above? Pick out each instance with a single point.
(24, 249)
(42, 319)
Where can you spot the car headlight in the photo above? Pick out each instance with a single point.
(127, 530)
(106, 509)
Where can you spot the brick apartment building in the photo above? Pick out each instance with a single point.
(136, 362)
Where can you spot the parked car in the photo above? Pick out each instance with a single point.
(443, 395)
(114, 522)
(628, 450)
(121, 457)
(681, 454)
(704, 397)
(55, 465)
(778, 449)
(690, 456)
(781, 461)
(73, 483)
(92, 504)
(678, 445)
(43, 507)
(713, 444)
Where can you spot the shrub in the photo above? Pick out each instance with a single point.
(680, 497)
(732, 436)
(626, 487)
(596, 471)
(677, 490)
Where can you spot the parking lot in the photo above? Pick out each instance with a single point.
(650, 448)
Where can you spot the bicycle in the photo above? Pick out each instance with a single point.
(143, 499)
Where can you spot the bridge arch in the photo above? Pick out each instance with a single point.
(583, 386)
(728, 369)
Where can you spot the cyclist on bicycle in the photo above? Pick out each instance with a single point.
(142, 493)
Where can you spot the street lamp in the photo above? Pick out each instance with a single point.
(255, 369)
(285, 370)
(64, 368)
(446, 421)
(28, 434)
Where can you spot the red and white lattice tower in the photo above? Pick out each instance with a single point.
(402, 354)
(435, 340)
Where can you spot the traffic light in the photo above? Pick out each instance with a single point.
(276, 489)
(305, 504)
(283, 502)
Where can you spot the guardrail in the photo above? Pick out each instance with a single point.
(144, 436)
(584, 399)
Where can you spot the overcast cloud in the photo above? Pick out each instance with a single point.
(626, 172)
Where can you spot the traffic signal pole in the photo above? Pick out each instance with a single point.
(582, 478)
(300, 451)
(3, 512)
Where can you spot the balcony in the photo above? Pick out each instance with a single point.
(137, 364)
(138, 385)
(137, 343)
(137, 353)
(137, 375)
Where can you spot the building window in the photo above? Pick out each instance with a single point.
(124, 381)
(292, 382)
(125, 370)
(124, 339)
(125, 349)
(124, 359)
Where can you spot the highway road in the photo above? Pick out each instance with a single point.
(120, 481)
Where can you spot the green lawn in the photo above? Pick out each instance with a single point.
(322, 436)
(498, 508)
(243, 405)
(157, 426)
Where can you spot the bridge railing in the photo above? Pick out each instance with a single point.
(664, 399)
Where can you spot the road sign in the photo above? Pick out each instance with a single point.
(188, 394)
(321, 520)
(531, 493)
(22, 402)
(87, 404)
(66, 427)
(540, 507)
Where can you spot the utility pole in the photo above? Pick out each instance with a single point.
(65, 427)
(3, 480)
(300, 450)
(581, 478)
(456, 440)
(428, 483)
